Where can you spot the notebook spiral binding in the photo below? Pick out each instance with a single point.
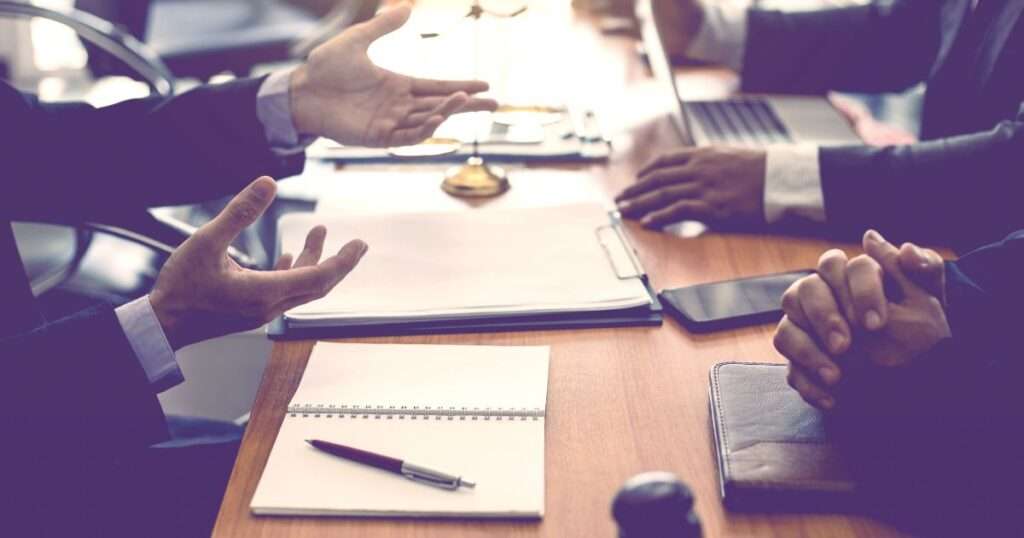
(393, 412)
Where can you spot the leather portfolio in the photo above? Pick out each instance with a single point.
(772, 449)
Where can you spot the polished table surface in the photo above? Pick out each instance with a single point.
(620, 401)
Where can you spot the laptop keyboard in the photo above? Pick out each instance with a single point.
(742, 122)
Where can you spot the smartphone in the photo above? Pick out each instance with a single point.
(729, 304)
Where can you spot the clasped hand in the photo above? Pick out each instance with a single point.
(886, 306)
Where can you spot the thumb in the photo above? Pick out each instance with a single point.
(241, 211)
(925, 268)
(384, 23)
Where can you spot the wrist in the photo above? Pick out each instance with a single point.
(304, 117)
(170, 318)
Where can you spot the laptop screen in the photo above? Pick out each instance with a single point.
(661, 66)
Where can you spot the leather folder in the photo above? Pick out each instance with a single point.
(772, 449)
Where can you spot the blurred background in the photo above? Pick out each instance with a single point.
(136, 48)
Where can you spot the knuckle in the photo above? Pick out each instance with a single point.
(781, 339)
(833, 320)
(790, 301)
(805, 287)
(831, 261)
(863, 262)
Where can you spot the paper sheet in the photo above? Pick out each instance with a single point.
(445, 265)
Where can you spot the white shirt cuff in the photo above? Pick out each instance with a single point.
(792, 183)
(722, 37)
(148, 341)
(274, 109)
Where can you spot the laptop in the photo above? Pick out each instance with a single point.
(749, 120)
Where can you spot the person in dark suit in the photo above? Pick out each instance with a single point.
(86, 448)
(951, 186)
(918, 366)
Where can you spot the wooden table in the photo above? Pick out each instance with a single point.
(620, 401)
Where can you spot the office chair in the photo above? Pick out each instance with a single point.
(49, 263)
(201, 38)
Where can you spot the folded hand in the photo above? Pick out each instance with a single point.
(848, 308)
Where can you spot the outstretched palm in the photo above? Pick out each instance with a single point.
(339, 93)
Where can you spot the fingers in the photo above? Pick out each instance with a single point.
(791, 306)
(870, 305)
(332, 270)
(478, 104)
(284, 262)
(832, 269)
(655, 200)
(384, 23)
(801, 350)
(654, 180)
(797, 344)
(424, 87)
(677, 212)
(241, 211)
(675, 158)
(924, 267)
(414, 135)
(313, 248)
(314, 280)
(441, 107)
(811, 392)
(822, 313)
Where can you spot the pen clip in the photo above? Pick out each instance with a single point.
(431, 478)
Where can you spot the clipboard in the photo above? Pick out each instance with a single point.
(622, 260)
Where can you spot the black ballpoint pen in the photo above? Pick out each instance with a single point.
(394, 465)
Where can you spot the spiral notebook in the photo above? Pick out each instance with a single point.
(473, 411)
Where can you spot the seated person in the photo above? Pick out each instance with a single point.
(918, 369)
(972, 122)
(86, 450)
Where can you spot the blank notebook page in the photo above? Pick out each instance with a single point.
(484, 423)
(466, 263)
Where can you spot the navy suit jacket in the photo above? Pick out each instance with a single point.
(961, 186)
(939, 445)
(74, 401)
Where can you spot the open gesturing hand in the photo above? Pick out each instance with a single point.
(339, 93)
(201, 293)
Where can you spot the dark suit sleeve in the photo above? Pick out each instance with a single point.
(961, 191)
(872, 48)
(939, 445)
(75, 161)
(74, 402)
(78, 378)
